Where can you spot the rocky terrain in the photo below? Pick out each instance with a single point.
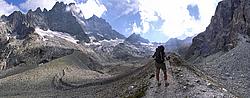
(229, 26)
(47, 35)
(178, 46)
(222, 49)
(136, 39)
(37, 47)
(59, 53)
(67, 79)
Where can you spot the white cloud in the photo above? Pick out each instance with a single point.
(6, 8)
(92, 7)
(89, 8)
(177, 21)
(136, 29)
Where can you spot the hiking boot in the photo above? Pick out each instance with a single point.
(158, 84)
(166, 84)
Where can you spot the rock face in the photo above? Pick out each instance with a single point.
(222, 50)
(57, 19)
(126, 51)
(136, 39)
(36, 56)
(99, 29)
(228, 25)
(178, 46)
(174, 43)
(61, 20)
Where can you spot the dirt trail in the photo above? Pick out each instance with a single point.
(184, 83)
(58, 79)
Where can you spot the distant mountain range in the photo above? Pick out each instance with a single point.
(45, 35)
(136, 39)
(62, 20)
(174, 43)
(40, 36)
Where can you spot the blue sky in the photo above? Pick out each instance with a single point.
(156, 20)
(15, 2)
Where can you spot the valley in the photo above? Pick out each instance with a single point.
(42, 55)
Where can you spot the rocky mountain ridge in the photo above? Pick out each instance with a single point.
(230, 22)
(222, 50)
(62, 20)
(136, 39)
(47, 35)
(177, 45)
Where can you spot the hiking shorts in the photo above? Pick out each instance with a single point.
(161, 66)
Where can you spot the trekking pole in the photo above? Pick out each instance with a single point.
(171, 69)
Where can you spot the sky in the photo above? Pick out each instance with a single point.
(156, 20)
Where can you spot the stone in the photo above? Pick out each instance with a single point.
(197, 81)
(229, 21)
(227, 74)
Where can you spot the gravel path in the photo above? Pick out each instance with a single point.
(185, 84)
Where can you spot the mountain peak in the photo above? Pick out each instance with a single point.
(58, 19)
(136, 38)
(72, 4)
(223, 32)
(16, 13)
(45, 10)
(38, 10)
(59, 6)
(94, 17)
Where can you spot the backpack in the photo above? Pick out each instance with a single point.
(159, 55)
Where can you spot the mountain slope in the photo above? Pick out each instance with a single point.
(177, 45)
(136, 83)
(59, 28)
(77, 65)
(136, 39)
(230, 22)
(231, 69)
(222, 51)
(99, 29)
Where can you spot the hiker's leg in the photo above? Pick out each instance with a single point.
(164, 69)
(157, 69)
(157, 74)
(165, 75)
(165, 79)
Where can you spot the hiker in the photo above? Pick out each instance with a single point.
(159, 57)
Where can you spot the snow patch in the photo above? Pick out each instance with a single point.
(112, 42)
(88, 32)
(93, 43)
(147, 44)
(50, 33)
(92, 38)
(100, 34)
(2, 22)
(8, 36)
